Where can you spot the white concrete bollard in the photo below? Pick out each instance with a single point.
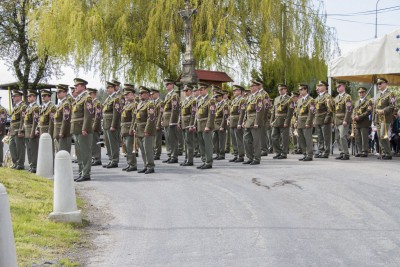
(64, 209)
(8, 257)
(45, 157)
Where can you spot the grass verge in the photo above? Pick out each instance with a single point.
(37, 239)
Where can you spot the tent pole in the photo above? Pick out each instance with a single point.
(9, 100)
(330, 82)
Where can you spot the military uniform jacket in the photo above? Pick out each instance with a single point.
(188, 112)
(145, 118)
(385, 101)
(98, 115)
(159, 104)
(31, 120)
(3, 120)
(267, 106)
(237, 111)
(324, 109)
(254, 110)
(46, 120)
(170, 110)
(112, 112)
(62, 119)
(128, 117)
(343, 109)
(17, 115)
(363, 110)
(282, 111)
(221, 115)
(82, 114)
(205, 115)
(305, 112)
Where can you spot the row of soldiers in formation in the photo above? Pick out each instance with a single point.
(253, 120)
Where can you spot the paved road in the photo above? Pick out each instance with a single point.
(279, 213)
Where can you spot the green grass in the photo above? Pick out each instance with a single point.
(37, 239)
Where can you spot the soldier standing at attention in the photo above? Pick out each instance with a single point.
(280, 122)
(81, 127)
(294, 135)
(383, 116)
(188, 114)
(62, 121)
(31, 120)
(96, 126)
(127, 121)
(265, 135)
(170, 121)
(220, 125)
(361, 112)
(111, 125)
(17, 142)
(196, 96)
(47, 111)
(235, 120)
(323, 120)
(228, 141)
(145, 129)
(343, 111)
(305, 115)
(155, 96)
(3, 120)
(205, 117)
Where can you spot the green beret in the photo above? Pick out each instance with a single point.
(80, 81)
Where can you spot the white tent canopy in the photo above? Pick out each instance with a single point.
(379, 58)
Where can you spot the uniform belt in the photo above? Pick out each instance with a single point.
(186, 116)
(203, 119)
(28, 125)
(125, 123)
(234, 116)
(76, 119)
(303, 116)
(280, 115)
(107, 115)
(140, 123)
(167, 112)
(58, 123)
(322, 113)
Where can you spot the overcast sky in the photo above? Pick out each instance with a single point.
(352, 31)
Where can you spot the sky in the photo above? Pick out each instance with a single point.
(353, 30)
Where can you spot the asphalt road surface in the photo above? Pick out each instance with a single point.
(280, 213)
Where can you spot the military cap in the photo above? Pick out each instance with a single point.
(381, 80)
(295, 94)
(80, 81)
(168, 81)
(341, 82)
(72, 88)
(203, 85)
(238, 87)
(46, 92)
(303, 85)
(362, 89)
(255, 83)
(110, 84)
(143, 89)
(62, 88)
(217, 93)
(282, 85)
(259, 81)
(17, 92)
(195, 88)
(128, 90)
(322, 83)
(92, 90)
(215, 88)
(154, 90)
(32, 92)
(128, 85)
(187, 87)
(224, 91)
(116, 82)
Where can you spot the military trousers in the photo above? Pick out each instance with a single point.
(181, 141)
(206, 147)
(1, 149)
(75, 149)
(84, 147)
(384, 144)
(324, 133)
(146, 145)
(252, 143)
(280, 140)
(63, 144)
(269, 137)
(189, 148)
(196, 143)
(306, 141)
(237, 142)
(96, 148)
(295, 139)
(219, 139)
(264, 139)
(112, 145)
(342, 132)
(158, 143)
(17, 151)
(32, 149)
(172, 140)
(228, 141)
(130, 155)
(362, 140)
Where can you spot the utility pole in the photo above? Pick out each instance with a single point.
(376, 19)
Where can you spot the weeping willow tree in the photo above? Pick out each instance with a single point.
(283, 40)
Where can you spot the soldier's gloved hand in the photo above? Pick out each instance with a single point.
(308, 126)
(221, 129)
(112, 129)
(207, 129)
(285, 126)
(256, 126)
(21, 135)
(84, 133)
(61, 135)
(239, 126)
(344, 123)
(146, 134)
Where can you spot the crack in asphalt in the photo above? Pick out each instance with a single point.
(276, 184)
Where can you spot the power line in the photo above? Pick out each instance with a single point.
(369, 23)
(358, 41)
(370, 12)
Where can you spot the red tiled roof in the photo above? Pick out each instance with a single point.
(208, 75)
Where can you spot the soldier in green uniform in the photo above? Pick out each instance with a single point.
(220, 125)
(305, 112)
(145, 129)
(96, 126)
(343, 111)
(323, 120)
(294, 132)
(81, 126)
(112, 108)
(3, 120)
(266, 125)
(47, 111)
(31, 119)
(235, 120)
(361, 112)
(155, 96)
(254, 116)
(17, 142)
(228, 141)
(196, 96)
(128, 117)
(385, 104)
(170, 121)
(72, 96)
(280, 122)
(205, 117)
(62, 121)
(188, 114)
